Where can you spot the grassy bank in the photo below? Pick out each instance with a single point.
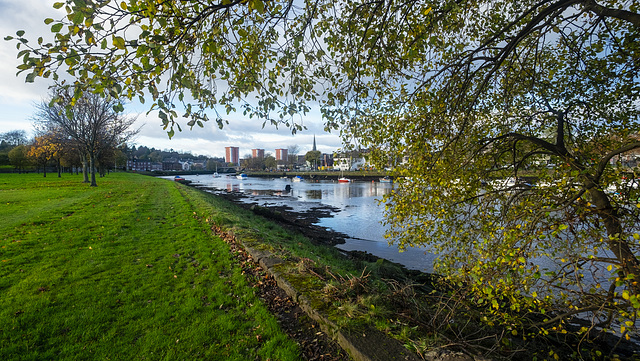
(122, 271)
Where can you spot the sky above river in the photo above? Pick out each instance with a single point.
(18, 99)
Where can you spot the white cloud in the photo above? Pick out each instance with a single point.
(27, 15)
(241, 132)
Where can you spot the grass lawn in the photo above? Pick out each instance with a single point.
(125, 271)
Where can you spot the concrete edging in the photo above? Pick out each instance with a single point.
(371, 345)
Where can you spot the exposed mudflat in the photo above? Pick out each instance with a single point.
(301, 220)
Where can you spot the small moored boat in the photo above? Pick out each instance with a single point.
(342, 179)
(241, 176)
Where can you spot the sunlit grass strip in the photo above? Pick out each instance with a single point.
(121, 271)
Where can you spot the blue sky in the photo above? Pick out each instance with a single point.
(17, 100)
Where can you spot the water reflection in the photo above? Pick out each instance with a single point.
(314, 194)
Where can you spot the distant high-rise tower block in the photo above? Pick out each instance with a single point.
(257, 153)
(232, 155)
(282, 154)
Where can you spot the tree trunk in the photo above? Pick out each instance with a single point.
(85, 170)
(92, 167)
(59, 169)
(616, 238)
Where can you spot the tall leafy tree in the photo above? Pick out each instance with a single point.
(471, 94)
(477, 95)
(313, 158)
(270, 162)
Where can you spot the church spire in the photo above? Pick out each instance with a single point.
(314, 143)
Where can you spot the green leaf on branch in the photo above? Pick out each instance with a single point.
(118, 42)
(55, 28)
(30, 78)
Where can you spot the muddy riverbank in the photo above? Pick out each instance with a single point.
(304, 222)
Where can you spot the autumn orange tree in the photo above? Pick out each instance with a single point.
(474, 95)
(44, 149)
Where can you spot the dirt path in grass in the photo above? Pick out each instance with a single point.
(314, 344)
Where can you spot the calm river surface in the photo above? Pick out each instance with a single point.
(358, 217)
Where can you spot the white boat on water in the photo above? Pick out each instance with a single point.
(216, 175)
(297, 179)
(241, 176)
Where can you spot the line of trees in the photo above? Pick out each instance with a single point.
(45, 151)
(268, 162)
(88, 133)
(91, 126)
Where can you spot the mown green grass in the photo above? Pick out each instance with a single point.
(122, 271)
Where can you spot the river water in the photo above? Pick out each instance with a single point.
(358, 212)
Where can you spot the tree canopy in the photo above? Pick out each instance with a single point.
(313, 158)
(187, 56)
(473, 95)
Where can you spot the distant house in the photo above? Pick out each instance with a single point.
(354, 160)
(326, 160)
(171, 165)
(138, 166)
(143, 166)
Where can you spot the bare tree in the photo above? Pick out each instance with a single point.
(92, 122)
(292, 156)
(14, 137)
